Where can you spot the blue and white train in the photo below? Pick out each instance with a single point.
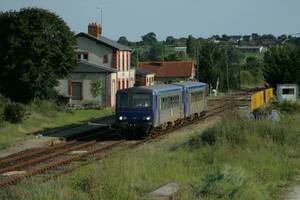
(147, 108)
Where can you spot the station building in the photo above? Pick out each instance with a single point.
(103, 62)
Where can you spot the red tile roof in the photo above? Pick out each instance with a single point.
(169, 68)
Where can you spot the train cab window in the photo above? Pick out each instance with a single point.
(141, 100)
(123, 101)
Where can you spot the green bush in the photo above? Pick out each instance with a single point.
(45, 107)
(3, 103)
(14, 112)
(222, 184)
(246, 78)
(209, 136)
(288, 107)
(275, 133)
(229, 132)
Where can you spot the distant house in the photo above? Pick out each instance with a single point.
(247, 38)
(235, 38)
(101, 60)
(252, 49)
(171, 71)
(181, 49)
(143, 77)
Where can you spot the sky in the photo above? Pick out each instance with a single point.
(178, 18)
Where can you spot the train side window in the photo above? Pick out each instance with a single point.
(196, 96)
(163, 103)
(175, 101)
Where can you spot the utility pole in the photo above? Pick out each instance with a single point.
(99, 8)
(227, 70)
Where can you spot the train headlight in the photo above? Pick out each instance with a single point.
(122, 118)
(147, 118)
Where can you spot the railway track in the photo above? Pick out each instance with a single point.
(59, 159)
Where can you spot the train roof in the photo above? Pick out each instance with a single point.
(191, 84)
(159, 88)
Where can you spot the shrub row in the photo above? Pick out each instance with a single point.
(238, 133)
(11, 111)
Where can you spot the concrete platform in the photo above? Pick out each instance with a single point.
(87, 127)
(165, 192)
(14, 173)
(53, 136)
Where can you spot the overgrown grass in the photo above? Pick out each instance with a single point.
(235, 159)
(43, 115)
(287, 107)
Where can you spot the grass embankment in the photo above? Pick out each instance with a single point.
(235, 159)
(43, 115)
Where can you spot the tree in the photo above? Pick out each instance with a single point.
(282, 65)
(149, 38)
(176, 56)
(191, 46)
(123, 40)
(36, 49)
(170, 40)
(254, 66)
(95, 88)
(156, 52)
(215, 62)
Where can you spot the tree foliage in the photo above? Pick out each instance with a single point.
(123, 40)
(254, 66)
(192, 46)
(282, 65)
(170, 40)
(36, 49)
(95, 88)
(156, 52)
(149, 38)
(215, 62)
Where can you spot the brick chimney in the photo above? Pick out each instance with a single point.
(95, 30)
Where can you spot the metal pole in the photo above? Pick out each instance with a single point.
(227, 70)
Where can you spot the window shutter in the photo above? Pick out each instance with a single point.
(81, 91)
(69, 87)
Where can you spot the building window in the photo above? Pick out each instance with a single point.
(105, 59)
(127, 58)
(83, 56)
(288, 91)
(118, 57)
(124, 86)
(123, 61)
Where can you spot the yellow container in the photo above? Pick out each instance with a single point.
(268, 94)
(257, 100)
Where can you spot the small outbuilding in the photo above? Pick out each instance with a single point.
(287, 92)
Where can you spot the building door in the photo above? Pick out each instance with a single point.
(77, 90)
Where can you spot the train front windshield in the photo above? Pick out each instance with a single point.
(135, 101)
(141, 101)
(123, 100)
